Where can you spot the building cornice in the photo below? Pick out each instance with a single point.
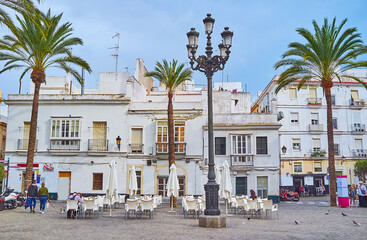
(249, 126)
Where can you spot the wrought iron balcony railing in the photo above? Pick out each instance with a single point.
(66, 144)
(359, 152)
(358, 127)
(242, 160)
(162, 148)
(136, 148)
(23, 144)
(314, 101)
(97, 145)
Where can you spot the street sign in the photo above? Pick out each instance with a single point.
(328, 177)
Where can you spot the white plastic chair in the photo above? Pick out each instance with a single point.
(202, 206)
(121, 200)
(191, 207)
(184, 204)
(251, 207)
(241, 204)
(90, 207)
(131, 205)
(72, 205)
(269, 207)
(147, 206)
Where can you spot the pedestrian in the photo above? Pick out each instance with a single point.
(362, 189)
(352, 195)
(43, 196)
(252, 194)
(32, 195)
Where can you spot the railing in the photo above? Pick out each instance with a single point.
(357, 127)
(316, 127)
(314, 101)
(242, 160)
(23, 144)
(136, 148)
(162, 148)
(359, 152)
(317, 152)
(97, 145)
(65, 144)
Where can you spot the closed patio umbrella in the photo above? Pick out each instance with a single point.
(172, 184)
(112, 187)
(226, 188)
(218, 178)
(133, 182)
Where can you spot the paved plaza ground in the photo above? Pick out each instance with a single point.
(310, 212)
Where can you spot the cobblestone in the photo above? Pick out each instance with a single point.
(314, 224)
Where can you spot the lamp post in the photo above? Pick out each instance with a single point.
(209, 65)
(118, 142)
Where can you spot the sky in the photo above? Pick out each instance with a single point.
(156, 29)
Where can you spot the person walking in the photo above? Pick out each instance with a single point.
(352, 195)
(32, 195)
(43, 196)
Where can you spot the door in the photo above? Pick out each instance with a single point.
(63, 188)
(162, 183)
(99, 136)
(241, 185)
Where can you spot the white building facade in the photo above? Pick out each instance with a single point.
(303, 135)
(76, 137)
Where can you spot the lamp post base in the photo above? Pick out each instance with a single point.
(211, 197)
(208, 221)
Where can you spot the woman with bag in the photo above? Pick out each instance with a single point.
(43, 196)
(352, 195)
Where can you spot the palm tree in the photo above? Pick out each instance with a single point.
(38, 43)
(171, 75)
(327, 54)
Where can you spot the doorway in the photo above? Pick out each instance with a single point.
(241, 185)
(63, 188)
(162, 183)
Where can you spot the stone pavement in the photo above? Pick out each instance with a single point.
(310, 212)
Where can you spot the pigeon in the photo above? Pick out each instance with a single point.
(297, 222)
(356, 223)
(248, 218)
(344, 215)
(327, 213)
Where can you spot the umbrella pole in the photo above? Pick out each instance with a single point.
(110, 208)
(171, 204)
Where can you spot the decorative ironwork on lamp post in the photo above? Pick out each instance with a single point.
(209, 65)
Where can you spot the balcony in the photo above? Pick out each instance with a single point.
(314, 101)
(358, 128)
(23, 144)
(162, 148)
(242, 160)
(136, 148)
(359, 152)
(317, 152)
(66, 144)
(97, 145)
(357, 104)
(316, 127)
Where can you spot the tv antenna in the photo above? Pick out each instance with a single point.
(116, 47)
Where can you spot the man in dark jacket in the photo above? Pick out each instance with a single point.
(32, 194)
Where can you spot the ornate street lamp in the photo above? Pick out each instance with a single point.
(284, 149)
(209, 65)
(118, 142)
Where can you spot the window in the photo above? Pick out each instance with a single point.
(162, 137)
(332, 99)
(292, 93)
(335, 123)
(262, 187)
(314, 118)
(26, 129)
(355, 97)
(162, 183)
(138, 179)
(317, 166)
(99, 142)
(241, 144)
(296, 144)
(297, 167)
(313, 95)
(136, 140)
(358, 144)
(316, 145)
(65, 134)
(220, 146)
(336, 149)
(294, 118)
(261, 145)
(97, 181)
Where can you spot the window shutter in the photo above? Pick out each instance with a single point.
(136, 135)
(99, 130)
(313, 93)
(355, 95)
(292, 93)
(316, 142)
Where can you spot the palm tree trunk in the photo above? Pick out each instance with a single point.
(32, 136)
(171, 139)
(330, 136)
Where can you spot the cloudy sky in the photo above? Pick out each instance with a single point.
(156, 29)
